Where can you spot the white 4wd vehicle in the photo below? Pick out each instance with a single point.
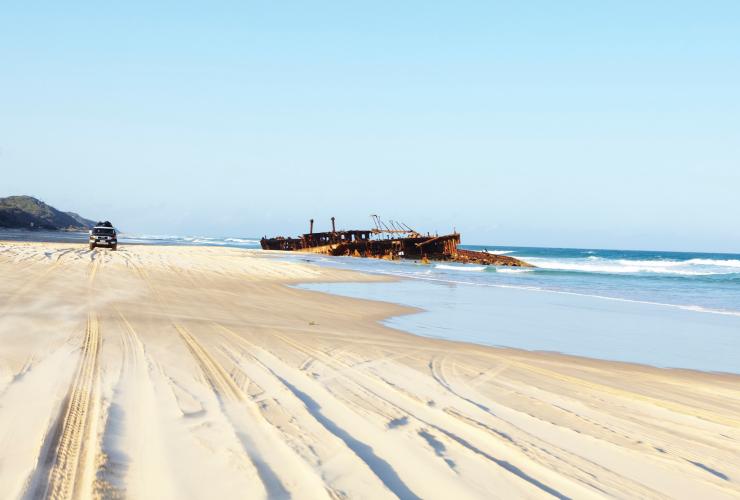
(103, 235)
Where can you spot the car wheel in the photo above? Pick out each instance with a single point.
(114, 247)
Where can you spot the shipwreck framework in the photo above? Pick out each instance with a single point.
(392, 240)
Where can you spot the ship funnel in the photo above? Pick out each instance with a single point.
(333, 228)
(310, 231)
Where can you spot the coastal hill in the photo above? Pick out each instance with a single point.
(27, 212)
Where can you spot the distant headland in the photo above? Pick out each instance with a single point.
(27, 212)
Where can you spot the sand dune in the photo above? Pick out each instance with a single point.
(193, 372)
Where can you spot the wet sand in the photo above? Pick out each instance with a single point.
(194, 372)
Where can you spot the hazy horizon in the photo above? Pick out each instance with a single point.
(537, 124)
(320, 227)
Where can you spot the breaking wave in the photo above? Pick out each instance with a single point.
(188, 240)
(241, 240)
(715, 262)
(460, 268)
(593, 264)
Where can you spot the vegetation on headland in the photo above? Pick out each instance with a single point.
(27, 212)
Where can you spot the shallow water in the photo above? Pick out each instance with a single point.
(619, 330)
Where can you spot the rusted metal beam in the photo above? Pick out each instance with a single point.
(437, 238)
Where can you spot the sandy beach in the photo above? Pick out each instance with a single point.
(195, 372)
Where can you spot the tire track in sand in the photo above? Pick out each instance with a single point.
(376, 465)
(228, 391)
(439, 422)
(133, 460)
(220, 381)
(93, 271)
(72, 454)
(597, 387)
(111, 469)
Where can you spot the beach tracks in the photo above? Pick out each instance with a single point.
(72, 458)
(94, 265)
(221, 382)
(200, 375)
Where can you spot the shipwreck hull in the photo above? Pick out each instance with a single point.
(437, 248)
(387, 244)
(430, 247)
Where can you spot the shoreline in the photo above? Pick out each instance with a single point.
(567, 324)
(400, 310)
(407, 310)
(211, 375)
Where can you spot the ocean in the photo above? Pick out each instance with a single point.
(666, 309)
(698, 281)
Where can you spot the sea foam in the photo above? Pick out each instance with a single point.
(593, 264)
(460, 268)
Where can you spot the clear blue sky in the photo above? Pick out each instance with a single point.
(578, 123)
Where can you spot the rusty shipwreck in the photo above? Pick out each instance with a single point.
(392, 240)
